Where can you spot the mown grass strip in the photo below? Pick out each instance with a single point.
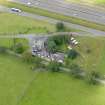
(61, 17)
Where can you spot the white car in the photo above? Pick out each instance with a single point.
(29, 3)
(15, 10)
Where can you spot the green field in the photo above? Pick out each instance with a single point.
(14, 78)
(8, 43)
(13, 24)
(19, 85)
(60, 89)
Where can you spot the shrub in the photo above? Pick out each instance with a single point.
(18, 48)
(3, 50)
(92, 77)
(51, 46)
(54, 66)
(14, 41)
(54, 42)
(38, 62)
(72, 54)
(76, 71)
(88, 50)
(61, 39)
(60, 26)
(27, 57)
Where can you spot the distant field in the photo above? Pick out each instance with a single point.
(13, 24)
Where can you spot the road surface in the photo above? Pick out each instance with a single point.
(69, 9)
(88, 31)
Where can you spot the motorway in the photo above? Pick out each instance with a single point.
(86, 31)
(69, 9)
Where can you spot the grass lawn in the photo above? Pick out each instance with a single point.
(15, 76)
(60, 89)
(54, 15)
(21, 86)
(10, 42)
(13, 24)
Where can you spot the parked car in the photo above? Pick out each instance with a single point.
(29, 3)
(15, 10)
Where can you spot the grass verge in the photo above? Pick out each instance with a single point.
(14, 24)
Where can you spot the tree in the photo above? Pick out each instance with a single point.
(38, 62)
(61, 39)
(76, 71)
(18, 48)
(27, 57)
(92, 77)
(72, 54)
(60, 26)
(51, 46)
(54, 66)
(14, 41)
